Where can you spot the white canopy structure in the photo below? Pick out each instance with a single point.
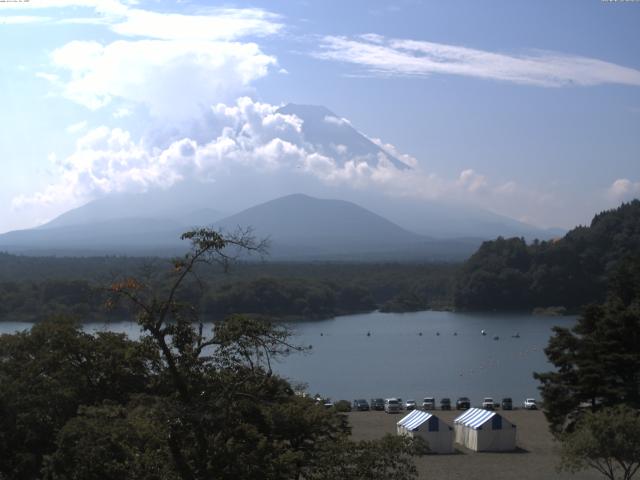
(484, 431)
(438, 435)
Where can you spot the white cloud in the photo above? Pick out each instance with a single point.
(624, 189)
(336, 120)
(76, 127)
(23, 19)
(250, 137)
(173, 63)
(49, 77)
(472, 181)
(392, 150)
(379, 55)
(174, 79)
(220, 24)
(122, 112)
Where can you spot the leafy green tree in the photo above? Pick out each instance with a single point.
(47, 373)
(598, 360)
(112, 442)
(607, 441)
(389, 457)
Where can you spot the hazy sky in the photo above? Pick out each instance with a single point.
(527, 108)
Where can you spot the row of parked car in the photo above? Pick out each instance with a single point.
(392, 405)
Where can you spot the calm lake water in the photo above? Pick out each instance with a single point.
(395, 360)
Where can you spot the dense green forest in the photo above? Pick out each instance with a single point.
(34, 288)
(509, 274)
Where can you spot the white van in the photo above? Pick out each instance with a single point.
(392, 405)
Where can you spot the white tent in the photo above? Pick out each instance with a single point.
(484, 430)
(438, 435)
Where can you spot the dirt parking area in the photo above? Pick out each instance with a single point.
(535, 458)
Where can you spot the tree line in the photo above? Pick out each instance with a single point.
(571, 272)
(281, 290)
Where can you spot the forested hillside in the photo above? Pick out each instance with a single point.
(32, 288)
(508, 274)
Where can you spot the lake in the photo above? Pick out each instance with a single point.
(450, 359)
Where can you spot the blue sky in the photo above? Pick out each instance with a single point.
(529, 109)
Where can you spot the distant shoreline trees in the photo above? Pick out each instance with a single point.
(571, 272)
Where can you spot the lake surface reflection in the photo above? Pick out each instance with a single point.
(410, 355)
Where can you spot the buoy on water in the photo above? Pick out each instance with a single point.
(368, 334)
(483, 332)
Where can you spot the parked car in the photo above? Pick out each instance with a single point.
(361, 405)
(328, 404)
(487, 403)
(429, 403)
(410, 405)
(507, 403)
(463, 403)
(401, 404)
(392, 405)
(530, 404)
(377, 404)
(445, 404)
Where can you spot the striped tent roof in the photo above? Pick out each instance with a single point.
(475, 418)
(414, 419)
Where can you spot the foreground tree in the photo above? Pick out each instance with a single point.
(181, 403)
(227, 414)
(389, 457)
(598, 360)
(607, 441)
(50, 371)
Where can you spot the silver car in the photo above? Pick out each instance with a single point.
(392, 405)
(429, 403)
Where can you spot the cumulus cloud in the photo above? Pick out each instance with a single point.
(471, 181)
(249, 137)
(175, 64)
(76, 127)
(172, 78)
(380, 55)
(624, 189)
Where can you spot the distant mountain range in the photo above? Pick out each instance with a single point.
(300, 226)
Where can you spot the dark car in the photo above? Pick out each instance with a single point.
(463, 403)
(445, 404)
(377, 404)
(361, 405)
(507, 404)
